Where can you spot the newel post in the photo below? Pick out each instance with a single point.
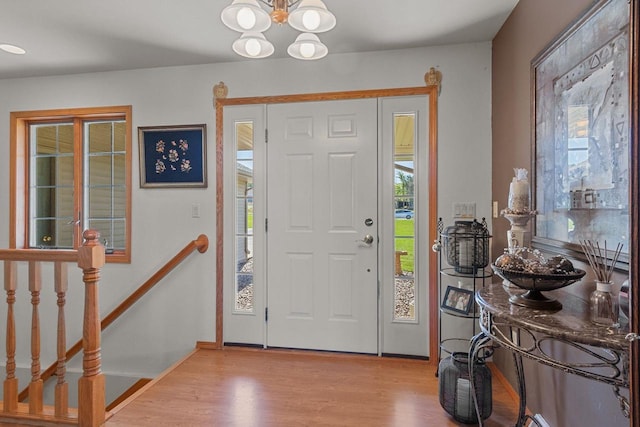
(91, 387)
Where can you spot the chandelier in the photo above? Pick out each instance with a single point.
(250, 19)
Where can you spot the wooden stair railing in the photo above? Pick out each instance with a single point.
(201, 244)
(91, 387)
(90, 258)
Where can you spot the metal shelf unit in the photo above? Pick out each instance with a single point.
(451, 341)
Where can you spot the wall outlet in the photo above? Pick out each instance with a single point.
(464, 210)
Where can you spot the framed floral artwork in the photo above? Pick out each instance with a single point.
(173, 156)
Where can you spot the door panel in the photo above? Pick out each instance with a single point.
(244, 217)
(322, 186)
(403, 152)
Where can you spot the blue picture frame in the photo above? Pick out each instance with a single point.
(173, 156)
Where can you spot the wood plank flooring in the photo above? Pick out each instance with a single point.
(238, 387)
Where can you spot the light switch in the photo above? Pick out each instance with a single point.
(464, 210)
(195, 210)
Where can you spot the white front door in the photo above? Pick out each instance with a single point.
(322, 239)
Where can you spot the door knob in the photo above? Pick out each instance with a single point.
(368, 239)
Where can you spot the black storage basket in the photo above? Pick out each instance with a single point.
(455, 388)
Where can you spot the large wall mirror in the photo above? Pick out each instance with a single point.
(585, 124)
(582, 134)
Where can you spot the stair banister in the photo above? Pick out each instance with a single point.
(201, 244)
(90, 258)
(91, 386)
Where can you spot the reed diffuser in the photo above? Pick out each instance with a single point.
(603, 306)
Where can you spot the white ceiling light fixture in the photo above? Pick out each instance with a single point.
(307, 46)
(250, 19)
(253, 45)
(16, 50)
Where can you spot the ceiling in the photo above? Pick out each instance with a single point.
(72, 36)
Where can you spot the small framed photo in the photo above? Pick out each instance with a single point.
(173, 156)
(458, 299)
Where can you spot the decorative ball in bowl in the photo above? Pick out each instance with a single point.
(535, 276)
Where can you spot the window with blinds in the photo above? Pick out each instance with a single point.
(78, 169)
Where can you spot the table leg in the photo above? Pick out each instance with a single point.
(477, 345)
(522, 390)
(522, 386)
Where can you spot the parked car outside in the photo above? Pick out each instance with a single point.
(404, 213)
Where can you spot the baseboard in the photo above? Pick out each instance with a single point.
(406, 356)
(208, 345)
(129, 392)
(239, 344)
(499, 376)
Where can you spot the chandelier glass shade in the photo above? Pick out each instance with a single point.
(250, 19)
(307, 46)
(253, 45)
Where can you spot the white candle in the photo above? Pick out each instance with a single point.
(519, 192)
(465, 255)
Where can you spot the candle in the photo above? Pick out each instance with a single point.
(519, 192)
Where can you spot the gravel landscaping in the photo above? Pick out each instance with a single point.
(404, 287)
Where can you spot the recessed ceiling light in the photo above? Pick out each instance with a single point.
(12, 49)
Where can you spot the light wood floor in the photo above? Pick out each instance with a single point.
(238, 387)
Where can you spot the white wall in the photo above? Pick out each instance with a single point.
(169, 320)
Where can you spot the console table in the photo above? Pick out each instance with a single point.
(533, 333)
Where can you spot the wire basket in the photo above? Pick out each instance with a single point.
(466, 246)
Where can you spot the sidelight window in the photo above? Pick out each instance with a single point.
(244, 217)
(404, 216)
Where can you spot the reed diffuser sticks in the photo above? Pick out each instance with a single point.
(599, 261)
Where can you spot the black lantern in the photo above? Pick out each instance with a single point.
(466, 245)
(455, 388)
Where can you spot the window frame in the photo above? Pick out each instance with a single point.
(397, 159)
(20, 121)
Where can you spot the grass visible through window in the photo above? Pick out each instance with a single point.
(404, 241)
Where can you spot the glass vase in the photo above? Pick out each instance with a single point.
(603, 306)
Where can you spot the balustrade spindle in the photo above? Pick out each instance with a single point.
(11, 382)
(91, 386)
(62, 387)
(91, 394)
(36, 385)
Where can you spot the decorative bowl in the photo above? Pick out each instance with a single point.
(535, 283)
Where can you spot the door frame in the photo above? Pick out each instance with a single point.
(634, 248)
(432, 90)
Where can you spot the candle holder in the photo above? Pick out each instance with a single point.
(519, 235)
(518, 212)
(466, 245)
